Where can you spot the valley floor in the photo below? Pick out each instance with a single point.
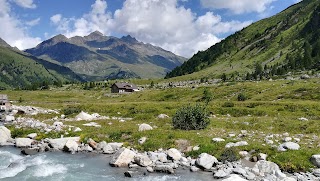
(273, 112)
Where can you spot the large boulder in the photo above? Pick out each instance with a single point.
(174, 154)
(122, 158)
(71, 146)
(315, 159)
(23, 142)
(145, 127)
(206, 161)
(164, 169)
(142, 160)
(59, 143)
(5, 135)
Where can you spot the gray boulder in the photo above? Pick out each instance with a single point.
(145, 127)
(122, 158)
(71, 146)
(266, 167)
(5, 135)
(234, 177)
(220, 174)
(101, 145)
(174, 154)
(315, 159)
(9, 118)
(164, 169)
(59, 143)
(289, 146)
(23, 142)
(32, 135)
(142, 160)
(107, 149)
(206, 161)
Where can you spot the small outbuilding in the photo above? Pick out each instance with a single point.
(124, 88)
(4, 102)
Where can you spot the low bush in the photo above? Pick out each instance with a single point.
(242, 97)
(71, 110)
(191, 118)
(228, 104)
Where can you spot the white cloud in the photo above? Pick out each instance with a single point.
(238, 6)
(25, 3)
(56, 18)
(14, 33)
(33, 22)
(160, 22)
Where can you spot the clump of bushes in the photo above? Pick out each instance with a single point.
(229, 155)
(71, 110)
(191, 118)
(242, 97)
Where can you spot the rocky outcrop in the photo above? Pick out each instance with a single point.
(122, 158)
(58, 144)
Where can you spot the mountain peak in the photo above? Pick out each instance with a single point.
(94, 35)
(129, 39)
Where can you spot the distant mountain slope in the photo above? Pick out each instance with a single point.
(288, 41)
(18, 69)
(99, 57)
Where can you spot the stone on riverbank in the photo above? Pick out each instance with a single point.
(164, 169)
(23, 142)
(122, 158)
(58, 144)
(142, 160)
(174, 154)
(71, 146)
(315, 159)
(5, 135)
(206, 161)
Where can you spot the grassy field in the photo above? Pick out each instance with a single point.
(271, 107)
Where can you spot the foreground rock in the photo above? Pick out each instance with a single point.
(206, 161)
(5, 135)
(23, 142)
(58, 144)
(122, 158)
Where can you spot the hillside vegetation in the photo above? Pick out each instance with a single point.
(286, 42)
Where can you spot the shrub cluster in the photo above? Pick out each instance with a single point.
(191, 118)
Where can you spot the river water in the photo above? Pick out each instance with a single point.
(58, 166)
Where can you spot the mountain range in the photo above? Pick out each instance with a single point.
(286, 42)
(99, 57)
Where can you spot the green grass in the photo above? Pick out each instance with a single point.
(272, 107)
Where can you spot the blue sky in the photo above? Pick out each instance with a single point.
(181, 26)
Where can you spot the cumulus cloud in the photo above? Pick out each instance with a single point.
(97, 19)
(14, 32)
(237, 6)
(160, 22)
(25, 3)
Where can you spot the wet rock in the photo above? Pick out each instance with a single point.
(71, 146)
(23, 142)
(59, 143)
(142, 160)
(220, 174)
(194, 169)
(5, 135)
(122, 158)
(145, 127)
(233, 177)
(174, 154)
(30, 151)
(206, 161)
(164, 169)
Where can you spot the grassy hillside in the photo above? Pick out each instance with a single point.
(288, 41)
(20, 71)
(271, 107)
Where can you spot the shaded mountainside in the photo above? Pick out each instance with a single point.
(19, 70)
(99, 57)
(286, 42)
